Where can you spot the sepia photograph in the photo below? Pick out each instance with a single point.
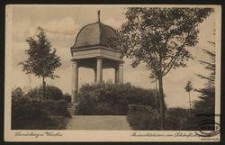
(112, 73)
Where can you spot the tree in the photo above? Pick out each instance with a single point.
(188, 88)
(206, 104)
(17, 93)
(210, 65)
(159, 37)
(42, 59)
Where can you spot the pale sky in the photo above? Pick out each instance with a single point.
(62, 23)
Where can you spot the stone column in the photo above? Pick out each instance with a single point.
(95, 75)
(116, 74)
(99, 70)
(74, 80)
(121, 72)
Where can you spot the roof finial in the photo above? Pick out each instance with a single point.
(99, 16)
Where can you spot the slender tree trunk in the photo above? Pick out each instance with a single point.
(43, 84)
(157, 96)
(162, 107)
(189, 99)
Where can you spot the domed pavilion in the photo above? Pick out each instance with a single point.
(92, 50)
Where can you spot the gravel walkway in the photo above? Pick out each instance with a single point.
(92, 122)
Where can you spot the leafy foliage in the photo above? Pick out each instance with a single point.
(52, 92)
(210, 65)
(159, 37)
(56, 108)
(206, 103)
(112, 99)
(26, 114)
(188, 86)
(17, 93)
(42, 60)
(67, 97)
(179, 119)
(31, 113)
(142, 117)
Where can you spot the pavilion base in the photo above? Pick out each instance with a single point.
(72, 108)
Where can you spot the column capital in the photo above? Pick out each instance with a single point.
(121, 62)
(74, 60)
(99, 58)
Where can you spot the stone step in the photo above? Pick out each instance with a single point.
(98, 122)
(71, 108)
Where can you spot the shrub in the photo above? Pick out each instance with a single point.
(17, 93)
(142, 117)
(179, 119)
(30, 113)
(112, 99)
(51, 92)
(67, 97)
(146, 118)
(26, 113)
(55, 108)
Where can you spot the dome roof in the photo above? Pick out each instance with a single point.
(94, 34)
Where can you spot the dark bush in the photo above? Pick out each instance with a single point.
(30, 113)
(179, 119)
(112, 99)
(51, 92)
(142, 117)
(67, 97)
(55, 108)
(17, 93)
(145, 118)
(26, 114)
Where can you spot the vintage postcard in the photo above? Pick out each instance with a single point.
(84, 73)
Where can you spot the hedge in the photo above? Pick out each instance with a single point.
(51, 92)
(32, 113)
(142, 117)
(55, 108)
(112, 99)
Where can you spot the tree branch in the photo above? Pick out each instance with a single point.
(173, 59)
(150, 54)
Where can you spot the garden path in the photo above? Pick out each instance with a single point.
(94, 122)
